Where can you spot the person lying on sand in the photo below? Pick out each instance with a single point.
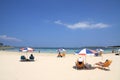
(101, 63)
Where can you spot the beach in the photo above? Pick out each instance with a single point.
(50, 67)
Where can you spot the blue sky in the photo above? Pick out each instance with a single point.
(60, 23)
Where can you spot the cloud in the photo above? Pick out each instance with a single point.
(83, 25)
(7, 38)
(58, 22)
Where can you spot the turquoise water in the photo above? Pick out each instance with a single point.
(68, 50)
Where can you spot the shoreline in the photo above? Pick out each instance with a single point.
(68, 50)
(35, 52)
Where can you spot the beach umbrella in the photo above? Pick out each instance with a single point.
(87, 52)
(98, 50)
(23, 50)
(27, 49)
(61, 50)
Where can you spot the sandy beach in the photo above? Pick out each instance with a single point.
(49, 67)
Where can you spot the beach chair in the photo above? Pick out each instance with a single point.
(104, 65)
(79, 65)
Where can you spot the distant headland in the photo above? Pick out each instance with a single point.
(4, 47)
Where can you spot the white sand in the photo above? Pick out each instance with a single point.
(49, 67)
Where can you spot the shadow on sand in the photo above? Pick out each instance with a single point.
(91, 68)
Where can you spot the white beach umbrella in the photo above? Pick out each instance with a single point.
(61, 50)
(87, 52)
(27, 49)
(98, 50)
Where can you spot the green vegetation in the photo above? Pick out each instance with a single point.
(4, 47)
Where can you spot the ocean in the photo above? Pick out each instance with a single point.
(68, 50)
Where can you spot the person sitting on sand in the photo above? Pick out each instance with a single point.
(31, 57)
(80, 63)
(104, 65)
(23, 58)
(59, 55)
(80, 60)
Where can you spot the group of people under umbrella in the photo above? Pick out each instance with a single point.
(61, 52)
(80, 63)
(26, 58)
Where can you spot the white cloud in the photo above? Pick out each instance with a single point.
(5, 37)
(83, 25)
(59, 22)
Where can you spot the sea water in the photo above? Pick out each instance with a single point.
(68, 50)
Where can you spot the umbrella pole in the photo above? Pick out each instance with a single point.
(27, 55)
(85, 59)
